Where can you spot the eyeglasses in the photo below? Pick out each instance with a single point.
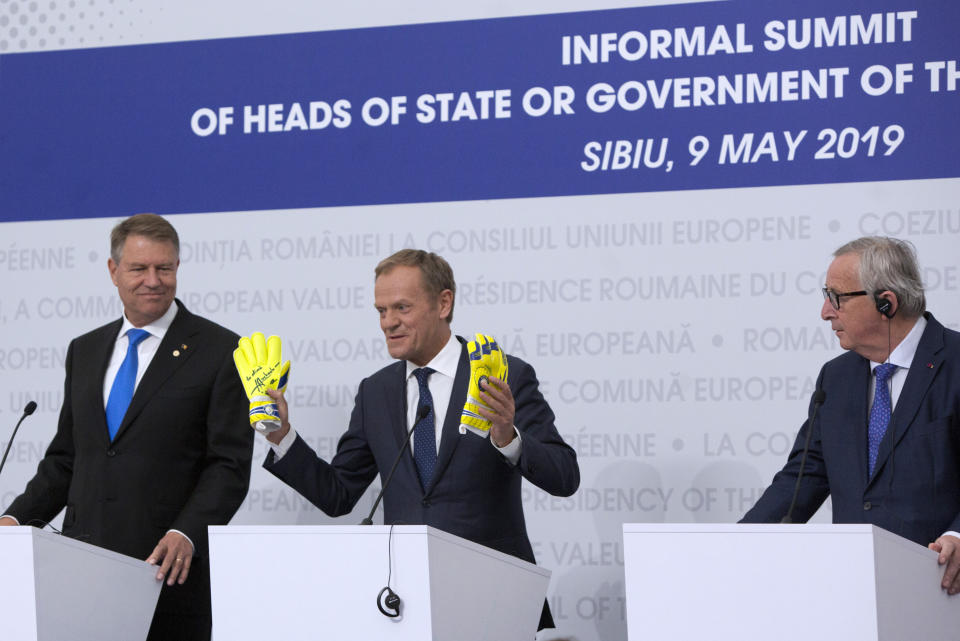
(834, 297)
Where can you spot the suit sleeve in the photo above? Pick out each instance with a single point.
(545, 460)
(333, 487)
(46, 493)
(814, 487)
(225, 475)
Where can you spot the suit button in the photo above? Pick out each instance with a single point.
(867, 506)
(111, 453)
(426, 503)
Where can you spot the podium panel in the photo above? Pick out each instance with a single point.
(56, 588)
(310, 582)
(784, 582)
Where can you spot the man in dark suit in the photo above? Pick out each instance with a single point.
(885, 444)
(152, 445)
(459, 483)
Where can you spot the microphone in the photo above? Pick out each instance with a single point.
(421, 414)
(819, 396)
(29, 409)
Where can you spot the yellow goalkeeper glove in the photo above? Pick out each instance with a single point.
(486, 360)
(258, 363)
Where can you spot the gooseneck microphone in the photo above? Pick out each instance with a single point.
(421, 414)
(819, 396)
(29, 409)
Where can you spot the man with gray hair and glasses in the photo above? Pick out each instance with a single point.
(885, 440)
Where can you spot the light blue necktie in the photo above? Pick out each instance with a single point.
(425, 434)
(879, 413)
(122, 390)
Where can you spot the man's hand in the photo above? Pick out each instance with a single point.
(499, 410)
(283, 414)
(8, 521)
(949, 548)
(174, 553)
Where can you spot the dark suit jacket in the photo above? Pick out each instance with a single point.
(180, 460)
(915, 487)
(474, 493)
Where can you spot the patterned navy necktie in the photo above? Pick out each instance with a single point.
(879, 413)
(425, 434)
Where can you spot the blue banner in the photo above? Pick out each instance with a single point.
(726, 94)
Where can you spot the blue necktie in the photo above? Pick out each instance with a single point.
(122, 390)
(425, 434)
(879, 413)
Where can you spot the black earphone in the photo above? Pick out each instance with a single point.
(388, 602)
(884, 304)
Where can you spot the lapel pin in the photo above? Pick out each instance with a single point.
(930, 365)
(176, 353)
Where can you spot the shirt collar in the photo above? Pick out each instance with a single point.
(902, 355)
(445, 362)
(158, 327)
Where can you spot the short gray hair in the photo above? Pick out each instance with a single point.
(436, 273)
(151, 226)
(889, 264)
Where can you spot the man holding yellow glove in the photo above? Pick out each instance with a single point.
(439, 387)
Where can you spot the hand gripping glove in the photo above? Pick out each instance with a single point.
(486, 359)
(258, 363)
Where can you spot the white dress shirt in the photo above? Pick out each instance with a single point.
(145, 350)
(902, 357)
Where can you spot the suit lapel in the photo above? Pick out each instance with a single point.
(858, 414)
(450, 437)
(923, 370)
(174, 351)
(395, 397)
(99, 357)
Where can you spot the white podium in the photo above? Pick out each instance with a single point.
(321, 582)
(55, 588)
(785, 582)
